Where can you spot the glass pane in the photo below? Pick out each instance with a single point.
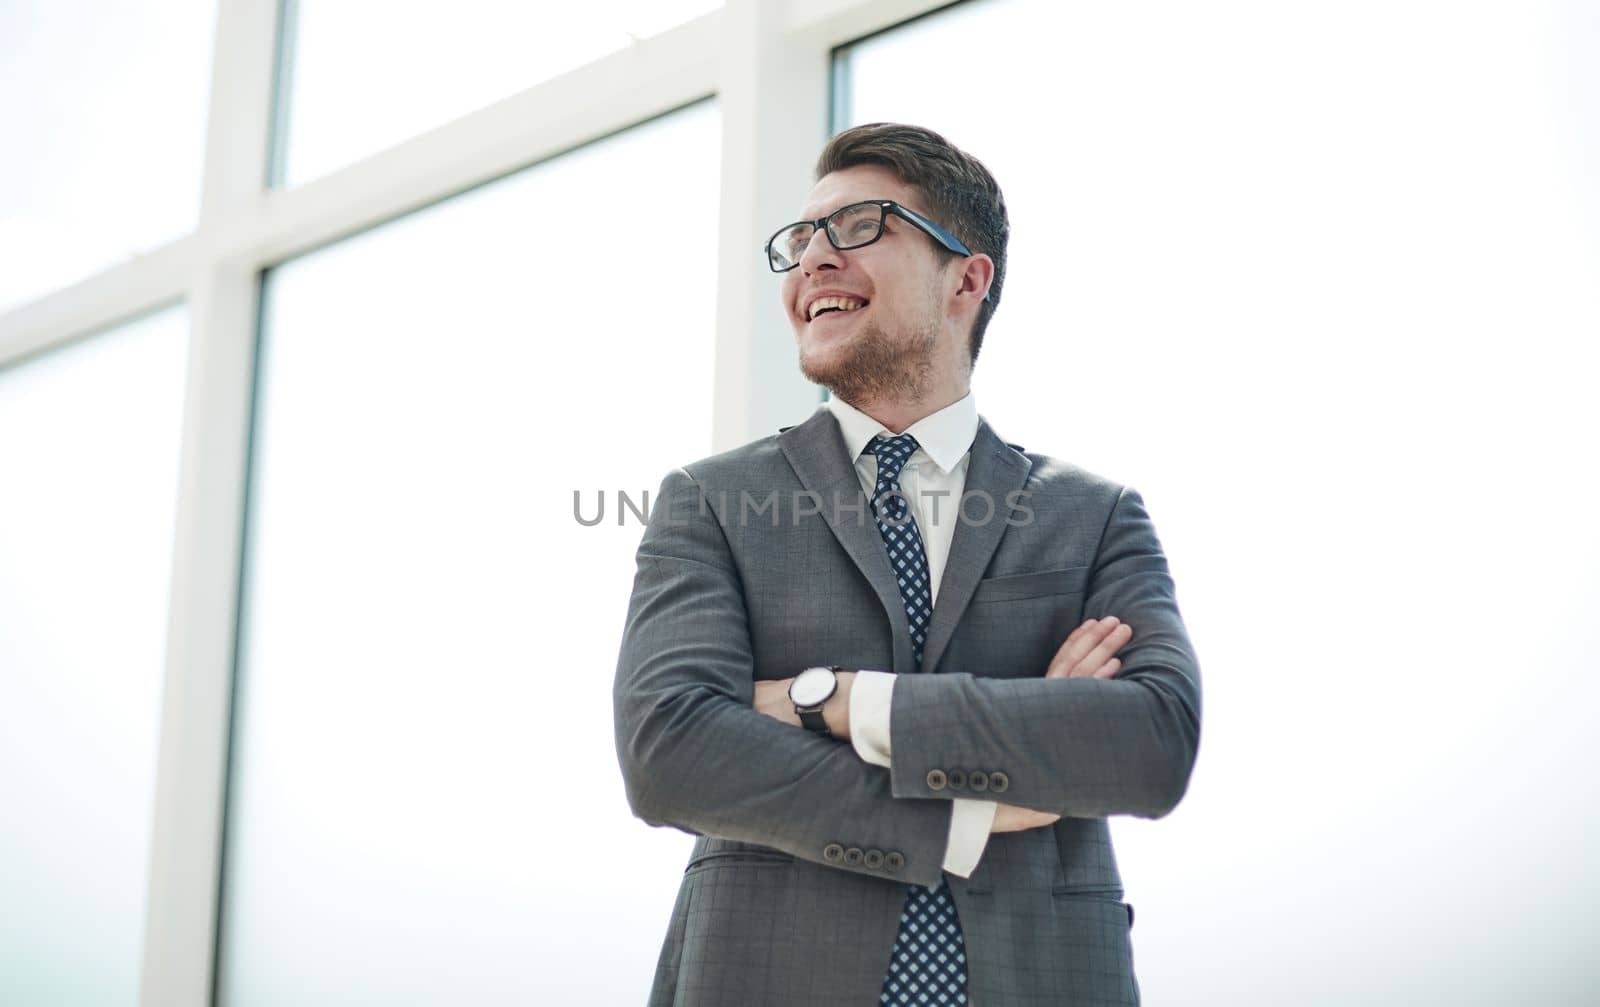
(425, 804)
(89, 445)
(363, 75)
(104, 106)
(1321, 282)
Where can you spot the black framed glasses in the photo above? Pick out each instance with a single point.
(850, 227)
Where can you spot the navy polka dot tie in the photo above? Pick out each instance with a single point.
(928, 966)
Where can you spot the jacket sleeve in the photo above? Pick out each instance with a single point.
(696, 756)
(1077, 747)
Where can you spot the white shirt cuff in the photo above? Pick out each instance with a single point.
(970, 823)
(870, 697)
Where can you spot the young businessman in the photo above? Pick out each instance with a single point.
(893, 671)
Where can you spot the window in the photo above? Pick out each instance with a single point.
(104, 105)
(89, 441)
(425, 805)
(362, 75)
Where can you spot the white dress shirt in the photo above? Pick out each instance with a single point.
(932, 481)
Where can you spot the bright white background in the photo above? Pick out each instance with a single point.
(1319, 280)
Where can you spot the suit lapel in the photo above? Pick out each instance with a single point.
(815, 450)
(994, 469)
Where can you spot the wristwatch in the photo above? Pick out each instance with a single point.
(809, 691)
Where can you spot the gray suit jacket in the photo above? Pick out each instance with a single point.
(793, 892)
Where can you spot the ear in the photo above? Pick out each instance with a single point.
(977, 272)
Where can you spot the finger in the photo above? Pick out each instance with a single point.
(1082, 629)
(1074, 638)
(1088, 636)
(1107, 647)
(1086, 629)
(1081, 659)
(1109, 669)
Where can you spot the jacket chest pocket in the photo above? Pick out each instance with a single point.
(1015, 624)
(1068, 581)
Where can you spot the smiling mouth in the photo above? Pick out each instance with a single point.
(836, 306)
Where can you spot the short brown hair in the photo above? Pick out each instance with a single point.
(961, 195)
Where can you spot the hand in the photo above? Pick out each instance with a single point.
(1087, 651)
(1010, 818)
(772, 699)
(1085, 654)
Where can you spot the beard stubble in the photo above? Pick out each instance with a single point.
(873, 367)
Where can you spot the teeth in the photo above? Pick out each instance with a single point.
(842, 303)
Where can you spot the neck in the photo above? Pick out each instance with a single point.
(898, 414)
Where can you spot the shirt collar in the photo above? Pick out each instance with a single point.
(945, 436)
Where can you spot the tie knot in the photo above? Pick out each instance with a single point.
(892, 452)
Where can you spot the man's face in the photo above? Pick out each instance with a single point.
(898, 341)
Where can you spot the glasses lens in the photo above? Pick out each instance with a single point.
(789, 244)
(855, 225)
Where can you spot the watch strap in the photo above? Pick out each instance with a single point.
(813, 721)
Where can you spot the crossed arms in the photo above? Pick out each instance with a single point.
(1088, 652)
(697, 755)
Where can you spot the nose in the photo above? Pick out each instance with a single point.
(819, 253)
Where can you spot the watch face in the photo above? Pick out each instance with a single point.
(812, 686)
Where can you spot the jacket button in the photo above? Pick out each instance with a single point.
(936, 779)
(998, 782)
(873, 860)
(958, 779)
(978, 780)
(833, 853)
(893, 860)
(853, 856)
